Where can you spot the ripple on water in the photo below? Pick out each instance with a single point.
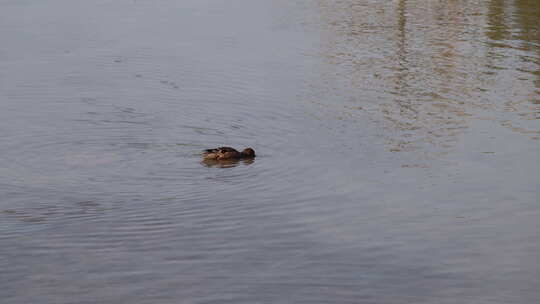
(102, 173)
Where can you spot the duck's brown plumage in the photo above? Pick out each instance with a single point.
(228, 153)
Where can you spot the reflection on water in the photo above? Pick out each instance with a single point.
(426, 70)
(226, 163)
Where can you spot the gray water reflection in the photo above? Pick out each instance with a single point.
(397, 147)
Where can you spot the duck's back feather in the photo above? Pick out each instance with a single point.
(227, 149)
(221, 150)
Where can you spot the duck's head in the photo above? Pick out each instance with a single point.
(248, 152)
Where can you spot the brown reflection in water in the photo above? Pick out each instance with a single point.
(528, 17)
(516, 19)
(425, 69)
(514, 30)
(226, 163)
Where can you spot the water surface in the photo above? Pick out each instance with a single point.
(398, 151)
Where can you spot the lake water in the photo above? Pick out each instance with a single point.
(398, 151)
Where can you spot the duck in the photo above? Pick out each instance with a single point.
(222, 153)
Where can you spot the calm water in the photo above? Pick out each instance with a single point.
(398, 143)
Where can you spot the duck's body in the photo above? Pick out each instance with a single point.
(228, 153)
